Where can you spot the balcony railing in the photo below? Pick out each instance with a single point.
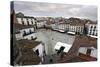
(25, 34)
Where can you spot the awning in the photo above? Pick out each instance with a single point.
(71, 32)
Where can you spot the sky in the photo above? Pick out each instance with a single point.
(56, 10)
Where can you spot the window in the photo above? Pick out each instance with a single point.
(32, 22)
(23, 22)
(27, 19)
(96, 34)
(51, 60)
(91, 26)
(27, 22)
(37, 52)
(94, 27)
(24, 33)
(32, 38)
(94, 30)
(30, 31)
(88, 52)
(90, 33)
(17, 32)
(93, 33)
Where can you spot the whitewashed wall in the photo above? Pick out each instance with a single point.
(30, 21)
(76, 29)
(27, 30)
(89, 28)
(29, 36)
(83, 50)
(19, 36)
(25, 21)
(40, 47)
(94, 53)
(41, 24)
(19, 20)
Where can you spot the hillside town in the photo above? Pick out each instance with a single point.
(49, 40)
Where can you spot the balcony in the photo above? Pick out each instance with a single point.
(25, 34)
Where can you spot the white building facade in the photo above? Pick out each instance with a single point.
(27, 33)
(40, 50)
(92, 29)
(41, 24)
(26, 20)
(77, 28)
(63, 27)
(91, 51)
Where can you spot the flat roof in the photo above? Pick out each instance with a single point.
(60, 44)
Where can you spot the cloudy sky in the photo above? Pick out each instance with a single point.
(55, 10)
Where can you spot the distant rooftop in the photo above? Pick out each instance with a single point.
(24, 43)
(21, 26)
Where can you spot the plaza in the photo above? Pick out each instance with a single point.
(50, 38)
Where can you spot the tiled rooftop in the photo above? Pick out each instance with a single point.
(29, 58)
(21, 26)
(26, 55)
(27, 43)
(79, 42)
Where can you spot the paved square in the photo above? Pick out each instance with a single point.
(50, 38)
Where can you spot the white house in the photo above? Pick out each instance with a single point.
(24, 32)
(63, 27)
(54, 26)
(92, 29)
(88, 51)
(76, 27)
(26, 20)
(40, 24)
(62, 47)
(40, 50)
